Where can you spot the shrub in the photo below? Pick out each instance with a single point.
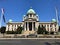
(52, 32)
(19, 30)
(2, 29)
(42, 30)
(10, 32)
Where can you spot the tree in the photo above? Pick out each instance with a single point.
(19, 30)
(2, 29)
(39, 30)
(42, 30)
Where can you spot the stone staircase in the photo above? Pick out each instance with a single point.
(28, 32)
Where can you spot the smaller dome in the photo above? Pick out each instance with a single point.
(36, 15)
(31, 11)
(10, 20)
(53, 20)
(24, 15)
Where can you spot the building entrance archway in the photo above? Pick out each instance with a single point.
(30, 26)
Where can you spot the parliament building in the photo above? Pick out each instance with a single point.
(30, 24)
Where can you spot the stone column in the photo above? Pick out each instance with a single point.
(7, 28)
(49, 27)
(19, 25)
(25, 26)
(57, 27)
(16, 26)
(46, 27)
(10, 27)
(13, 27)
(32, 16)
(53, 27)
(29, 16)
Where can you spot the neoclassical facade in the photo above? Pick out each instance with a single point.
(30, 24)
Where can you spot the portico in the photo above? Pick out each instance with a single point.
(29, 26)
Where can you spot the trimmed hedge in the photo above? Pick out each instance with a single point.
(10, 32)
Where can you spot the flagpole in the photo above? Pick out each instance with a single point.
(57, 18)
(56, 14)
(1, 20)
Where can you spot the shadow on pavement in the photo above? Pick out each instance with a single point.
(58, 43)
(46, 43)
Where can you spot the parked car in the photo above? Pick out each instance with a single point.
(31, 36)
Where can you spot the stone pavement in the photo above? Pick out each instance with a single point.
(29, 41)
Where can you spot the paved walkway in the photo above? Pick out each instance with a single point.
(29, 41)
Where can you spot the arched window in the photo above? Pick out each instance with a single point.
(30, 15)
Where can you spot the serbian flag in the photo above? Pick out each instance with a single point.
(59, 18)
(3, 14)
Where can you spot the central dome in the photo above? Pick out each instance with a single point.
(31, 11)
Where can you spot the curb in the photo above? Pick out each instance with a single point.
(29, 38)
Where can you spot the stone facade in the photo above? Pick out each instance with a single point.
(30, 24)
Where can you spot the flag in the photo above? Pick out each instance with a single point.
(59, 18)
(3, 14)
(2, 11)
(4, 18)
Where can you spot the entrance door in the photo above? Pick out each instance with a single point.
(30, 26)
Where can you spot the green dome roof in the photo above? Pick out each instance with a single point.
(31, 11)
(53, 20)
(10, 20)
